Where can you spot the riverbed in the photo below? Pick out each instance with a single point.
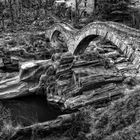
(29, 110)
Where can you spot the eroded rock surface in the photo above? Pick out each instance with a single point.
(97, 77)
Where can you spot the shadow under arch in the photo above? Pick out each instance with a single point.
(55, 35)
(58, 40)
(83, 44)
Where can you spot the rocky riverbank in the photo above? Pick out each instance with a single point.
(89, 88)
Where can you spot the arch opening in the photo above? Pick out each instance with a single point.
(55, 35)
(94, 41)
(59, 41)
(84, 44)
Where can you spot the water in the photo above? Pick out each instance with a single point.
(31, 109)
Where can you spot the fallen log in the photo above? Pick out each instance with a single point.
(87, 63)
(120, 60)
(90, 99)
(113, 54)
(62, 123)
(92, 82)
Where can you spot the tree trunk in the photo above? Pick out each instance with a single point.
(11, 11)
(45, 8)
(20, 11)
(77, 12)
(3, 25)
(95, 5)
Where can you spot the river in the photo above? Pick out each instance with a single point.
(31, 109)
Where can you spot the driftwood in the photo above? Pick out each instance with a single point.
(120, 60)
(61, 123)
(97, 99)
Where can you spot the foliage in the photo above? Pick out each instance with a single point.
(113, 10)
(5, 122)
(22, 13)
(15, 13)
(119, 120)
(60, 11)
(80, 126)
(118, 11)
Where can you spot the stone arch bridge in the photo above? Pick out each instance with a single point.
(125, 38)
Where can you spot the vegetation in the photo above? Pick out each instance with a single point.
(22, 15)
(5, 123)
(18, 13)
(118, 11)
(119, 121)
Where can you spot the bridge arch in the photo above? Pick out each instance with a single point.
(56, 34)
(83, 44)
(59, 41)
(90, 32)
(125, 38)
(119, 38)
(57, 29)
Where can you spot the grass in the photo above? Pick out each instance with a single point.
(6, 127)
(8, 130)
(79, 127)
(115, 120)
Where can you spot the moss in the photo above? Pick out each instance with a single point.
(117, 117)
(79, 127)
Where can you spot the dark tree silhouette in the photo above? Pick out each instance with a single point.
(2, 14)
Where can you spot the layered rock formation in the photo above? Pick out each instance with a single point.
(97, 76)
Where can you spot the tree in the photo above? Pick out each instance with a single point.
(2, 14)
(77, 11)
(95, 4)
(48, 5)
(61, 11)
(115, 10)
(10, 2)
